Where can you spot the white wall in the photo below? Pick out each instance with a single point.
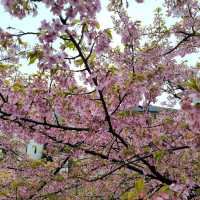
(34, 150)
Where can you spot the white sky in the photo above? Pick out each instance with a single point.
(32, 23)
(142, 12)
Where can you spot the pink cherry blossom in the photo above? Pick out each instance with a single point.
(89, 106)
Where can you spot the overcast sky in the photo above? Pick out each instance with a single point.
(142, 12)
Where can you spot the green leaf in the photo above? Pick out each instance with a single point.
(97, 25)
(109, 33)
(4, 67)
(115, 88)
(132, 195)
(193, 84)
(18, 87)
(158, 9)
(129, 151)
(17, 183)
(21, 42)
(139, 185)
(59, 178)
(136, 76)
(124, 196)
(158, 155)
(92, 58)
(75, 21)
(69, 44)
(5, 193)
(36, 163)
(2, 154)
(32, 60)
(164, 188)
(66, 149)
(52, 196)
(197, 191)
(78, 62)
(33, 56)
(112, 69)
(124, 113)
(168, 120)
(198, 65)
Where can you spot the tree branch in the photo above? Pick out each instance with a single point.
(107, 116)
(45, 124)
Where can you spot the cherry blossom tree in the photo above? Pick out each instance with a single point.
(112, 151)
